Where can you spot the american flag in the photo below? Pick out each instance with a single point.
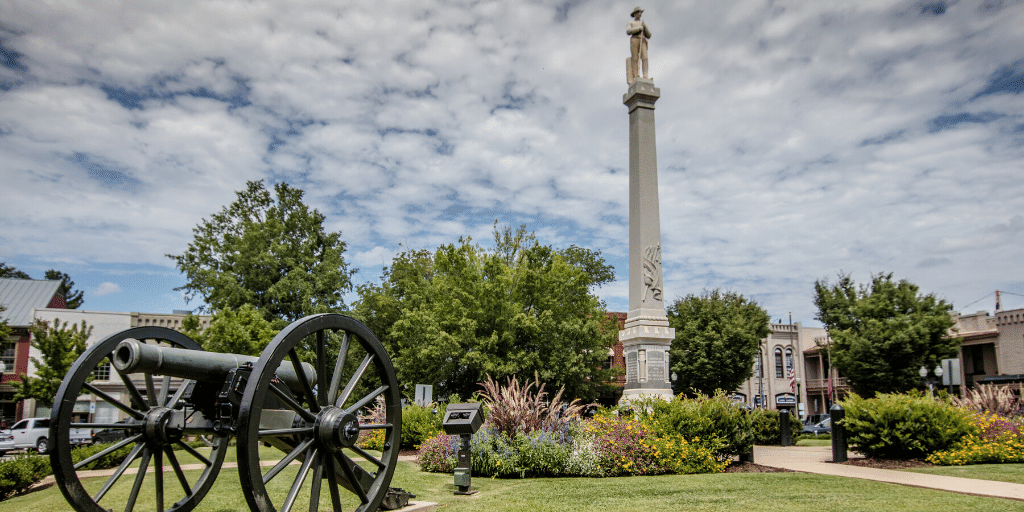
(792, 380)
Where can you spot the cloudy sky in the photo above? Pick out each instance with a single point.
(795, 139)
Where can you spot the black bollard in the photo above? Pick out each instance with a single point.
(787, 435)
(838, 433)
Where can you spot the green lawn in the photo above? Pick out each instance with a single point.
(1013, 473)
(814, 442)
(723, 492)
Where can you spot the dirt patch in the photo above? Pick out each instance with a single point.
(888, 464)
(750, 467)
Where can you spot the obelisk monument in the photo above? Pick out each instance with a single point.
(646, 336)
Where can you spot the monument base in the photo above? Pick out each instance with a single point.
(645, 345)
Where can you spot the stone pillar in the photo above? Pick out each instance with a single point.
(646, 336)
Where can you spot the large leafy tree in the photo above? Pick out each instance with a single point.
(883, 332)
(455, 315)
(73, 298)
(717, 335)
(271, 252)
(242, 331)
(59, 346)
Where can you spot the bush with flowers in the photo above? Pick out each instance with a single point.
(995, 439)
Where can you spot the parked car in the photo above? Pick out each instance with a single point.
(109, 435)
(6, 443)
(822, 427)
(34, 433)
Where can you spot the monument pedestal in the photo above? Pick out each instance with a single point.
(646, 336)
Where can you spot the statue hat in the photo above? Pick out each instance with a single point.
(636, 10)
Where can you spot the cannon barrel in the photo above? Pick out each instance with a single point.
(133, 356)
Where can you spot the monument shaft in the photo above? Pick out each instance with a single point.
(646, 336)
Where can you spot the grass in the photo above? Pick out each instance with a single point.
(1012, 473)
(722, 492)
(814, 442)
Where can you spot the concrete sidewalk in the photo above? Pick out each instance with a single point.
(817, 459)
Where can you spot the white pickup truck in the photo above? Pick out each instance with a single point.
(34, 432)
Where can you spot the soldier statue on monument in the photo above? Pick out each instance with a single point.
(638, 36)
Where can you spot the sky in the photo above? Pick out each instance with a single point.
(795, 139)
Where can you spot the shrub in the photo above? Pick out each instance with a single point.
(715, 420)
(437, 454)
(419, 423)
(542, 453)
(766, 427)
(109, 460)
(515, 408)
(19, 473)
(677, 455)
(372, 439)
(623, 446)
(903, 426)
(996, 439)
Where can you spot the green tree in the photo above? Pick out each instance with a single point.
(73, 298)
(717, 335)
(8, 272)
(455, 315)
(243, 331)
(5, 329)
(271, 253)
(884, 332)
(59, 346)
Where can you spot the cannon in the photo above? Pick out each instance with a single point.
(295, 414)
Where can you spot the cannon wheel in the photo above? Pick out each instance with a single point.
(353, 372)
(144, 408)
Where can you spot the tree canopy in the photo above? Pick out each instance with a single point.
(717, 335)
(9, 272)
(59, 346)
(273, 253)
(243, 331)
(884, 332)
(451, 317)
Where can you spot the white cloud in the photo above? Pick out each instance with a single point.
(795, 140)
(107, 288)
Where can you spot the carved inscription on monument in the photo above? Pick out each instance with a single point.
(656, 365)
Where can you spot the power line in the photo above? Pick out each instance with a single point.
(979, 300)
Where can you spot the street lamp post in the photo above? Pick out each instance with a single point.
(923, 372)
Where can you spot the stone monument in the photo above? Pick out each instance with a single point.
(646, 336)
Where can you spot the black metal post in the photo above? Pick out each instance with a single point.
(463, 466)
(784, 428)
(838, 433)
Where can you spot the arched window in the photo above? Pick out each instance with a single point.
(778, 363)
(789, 360)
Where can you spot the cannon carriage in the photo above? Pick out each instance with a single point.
(295, 412)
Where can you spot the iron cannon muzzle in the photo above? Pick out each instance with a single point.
(134, 356)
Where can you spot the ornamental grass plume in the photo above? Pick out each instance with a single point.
(991, 398)
(514, 408)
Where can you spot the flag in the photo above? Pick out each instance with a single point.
(792, 380)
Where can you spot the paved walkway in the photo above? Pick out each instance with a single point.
(817, 459)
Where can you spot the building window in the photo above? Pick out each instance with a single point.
(7, 352)
(789, 359)
(102, 372)
(758, 369)
(778, 363)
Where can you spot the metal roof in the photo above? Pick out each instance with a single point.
(21, 296)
